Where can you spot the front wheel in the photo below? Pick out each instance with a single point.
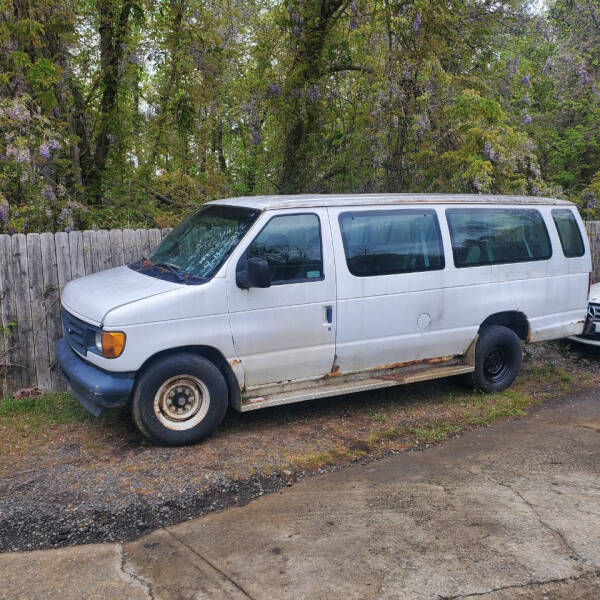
(179, 400)
(497, 359)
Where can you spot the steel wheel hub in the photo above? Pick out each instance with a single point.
(181, 402)
(496, 364)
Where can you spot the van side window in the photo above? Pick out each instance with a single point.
(491, 236)
(568, 232)
(387, 242)
(291, 244)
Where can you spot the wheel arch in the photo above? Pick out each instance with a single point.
(512, 319)
(211, 354)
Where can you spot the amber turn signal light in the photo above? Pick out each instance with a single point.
(113, 343)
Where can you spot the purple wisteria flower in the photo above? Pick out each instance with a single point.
(423, 123)
(526, 99)
(596, 91)
(4, 211)
(53, 144)
(297, 22)
(526, 80)
(17, 112)
(48, 193)
(417, 22)
(512, 64)
(354, 15)
(313, 93)
(526, 119)
(547, 65)
(584, 77)
(273, 90)
(488, 150)
(22, 156)
(45, 151)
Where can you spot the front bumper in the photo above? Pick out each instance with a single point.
(94, 388)
(585, 340)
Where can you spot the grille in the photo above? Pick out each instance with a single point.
(594, 311)
(77, 332)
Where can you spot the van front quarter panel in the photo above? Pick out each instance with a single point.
(186, 316)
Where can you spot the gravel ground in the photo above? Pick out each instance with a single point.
(87, 480)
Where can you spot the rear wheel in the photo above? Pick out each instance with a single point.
(497, 359)
(179, 400)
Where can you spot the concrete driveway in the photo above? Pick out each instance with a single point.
(512, 511)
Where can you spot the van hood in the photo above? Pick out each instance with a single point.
(595, 293)
(93, 296)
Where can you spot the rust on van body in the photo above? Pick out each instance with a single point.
(411, 363)
(335, 369)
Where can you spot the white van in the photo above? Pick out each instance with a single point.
(259, 301)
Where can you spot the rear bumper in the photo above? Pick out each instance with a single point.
(94, 388)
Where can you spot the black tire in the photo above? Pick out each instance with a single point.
(160, 391)
(498, 358)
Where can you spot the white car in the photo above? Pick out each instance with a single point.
(259, 301)
(591, 334)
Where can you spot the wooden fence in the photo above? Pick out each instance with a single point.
(35, 267)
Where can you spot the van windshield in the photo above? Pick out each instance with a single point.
(193, 252)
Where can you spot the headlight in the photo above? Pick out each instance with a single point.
(110, 343)
(98, 341)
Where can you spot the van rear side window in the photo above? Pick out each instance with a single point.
(568, 232)
(391, 241)
(489, 236)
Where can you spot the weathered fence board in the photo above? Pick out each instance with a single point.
(63, 259)
(593, 230)
(37, 293)
(35, 268)
(76, 255)
(11, 374)
(52, 304)
(24, 328)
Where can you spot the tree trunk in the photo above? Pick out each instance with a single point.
(308, 70)
(112, 48)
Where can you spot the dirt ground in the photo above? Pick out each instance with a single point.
(66, 478)
(508, 512)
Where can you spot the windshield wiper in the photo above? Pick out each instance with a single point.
(173, 268)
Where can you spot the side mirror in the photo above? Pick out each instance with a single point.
(255, 273)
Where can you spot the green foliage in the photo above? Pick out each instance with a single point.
(118, 113)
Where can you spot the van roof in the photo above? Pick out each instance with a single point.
(325, 200)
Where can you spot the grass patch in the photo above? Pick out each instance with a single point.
(49, 409)
(378, 417)
(435, 433)
(35, 413)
